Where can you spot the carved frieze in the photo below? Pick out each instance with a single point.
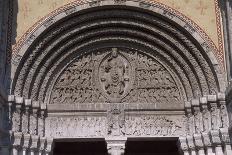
(153, 125)
(116, 75)
(117, 124)
(81, 126)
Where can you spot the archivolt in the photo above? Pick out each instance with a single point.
(114, 26)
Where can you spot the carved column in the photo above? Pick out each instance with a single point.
(11, 101)
(184, 145)
(199, 144)
(216, 140)
(116, 146)
(34, 145)
(26, 144)
(190, 125)
(205, 114)
(34, 118)
(215, 112)
(16, 140)
(25, 116)
(191, 145)
(41, 120)
(223, 111)
(207, 143)
(16, 116)
(197, 116)
(226, 141)
(42, 145)
(48, 146)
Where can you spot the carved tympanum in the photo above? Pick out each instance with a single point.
(117, 75)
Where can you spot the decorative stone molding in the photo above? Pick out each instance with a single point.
(189, 67)
(133, 63)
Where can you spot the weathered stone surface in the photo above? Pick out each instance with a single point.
(117, 75)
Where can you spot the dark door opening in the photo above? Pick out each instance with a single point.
(152, 146)
(80, 147)
(134, 146)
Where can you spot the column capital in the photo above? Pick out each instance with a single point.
(116, 146)
(215, 135)
(16, 139)
(225, 137)
(34, 142)
(183, 144)
(48, 145)
(206, 139)
(198, 141)
(26, 141)
(42, 145)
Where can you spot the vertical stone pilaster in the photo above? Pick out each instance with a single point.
(116, 146)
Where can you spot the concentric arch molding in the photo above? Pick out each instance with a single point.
(25, 41)
(55, 43)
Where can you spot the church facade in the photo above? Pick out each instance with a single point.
(115, 75)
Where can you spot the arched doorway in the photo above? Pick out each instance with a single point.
(116, 72)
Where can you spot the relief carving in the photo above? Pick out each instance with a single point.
(116, 120)
(153, 125)
(118, 76)
(114, 74)
(115, 124)
(78, 126)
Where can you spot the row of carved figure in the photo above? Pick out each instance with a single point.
(26, 116)
(26, 144)
(95, 126)
(207, 113)
(215, 142)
